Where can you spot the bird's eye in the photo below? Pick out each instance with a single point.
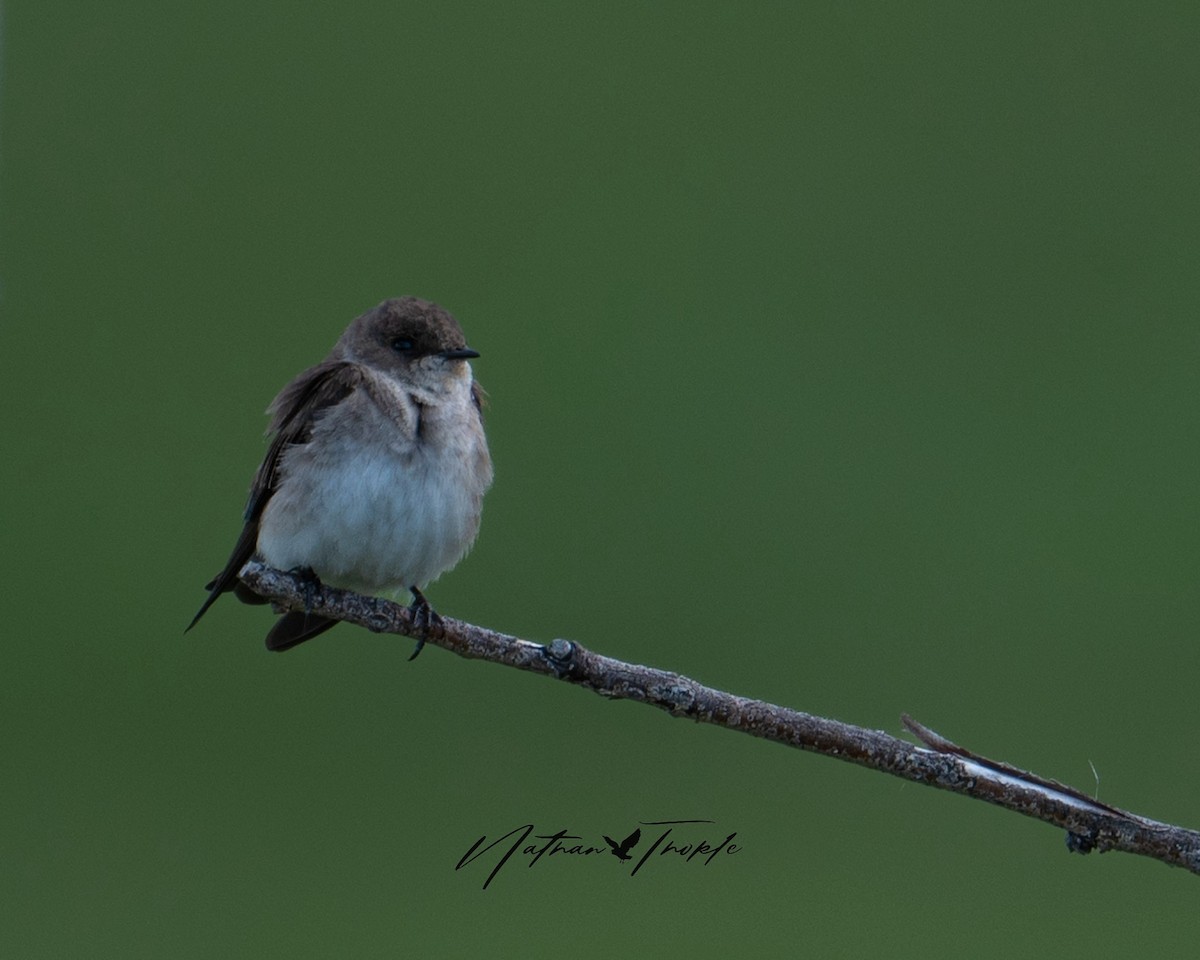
(403, 345)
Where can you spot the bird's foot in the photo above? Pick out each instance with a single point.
(310, 583)
(424, 618)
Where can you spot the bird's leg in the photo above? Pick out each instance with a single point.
(311, 584)
(424, 617)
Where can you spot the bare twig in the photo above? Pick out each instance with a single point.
(1090, 824)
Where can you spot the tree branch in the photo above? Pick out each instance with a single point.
(1090, 824)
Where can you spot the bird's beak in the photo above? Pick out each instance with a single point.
(464, 354)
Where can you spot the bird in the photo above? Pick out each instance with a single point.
(621, 850)
(376, 469)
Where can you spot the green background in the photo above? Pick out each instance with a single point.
(841, 354)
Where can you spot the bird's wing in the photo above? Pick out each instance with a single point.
(632, 839)
(294, 412)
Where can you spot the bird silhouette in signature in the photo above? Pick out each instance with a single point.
(621, 850)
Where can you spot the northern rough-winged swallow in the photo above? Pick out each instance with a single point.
(377, 467)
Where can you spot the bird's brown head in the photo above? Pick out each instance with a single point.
(410, 337)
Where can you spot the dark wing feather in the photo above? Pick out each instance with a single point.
(295, 627)
(478, 397)
(293, 413)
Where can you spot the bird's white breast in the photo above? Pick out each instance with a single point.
(372, 506)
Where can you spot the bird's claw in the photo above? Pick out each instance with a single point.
(311, 585)
(424, 620)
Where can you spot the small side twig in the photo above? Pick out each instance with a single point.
(1090, 824)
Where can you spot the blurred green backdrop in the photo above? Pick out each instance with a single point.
(840, 354)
